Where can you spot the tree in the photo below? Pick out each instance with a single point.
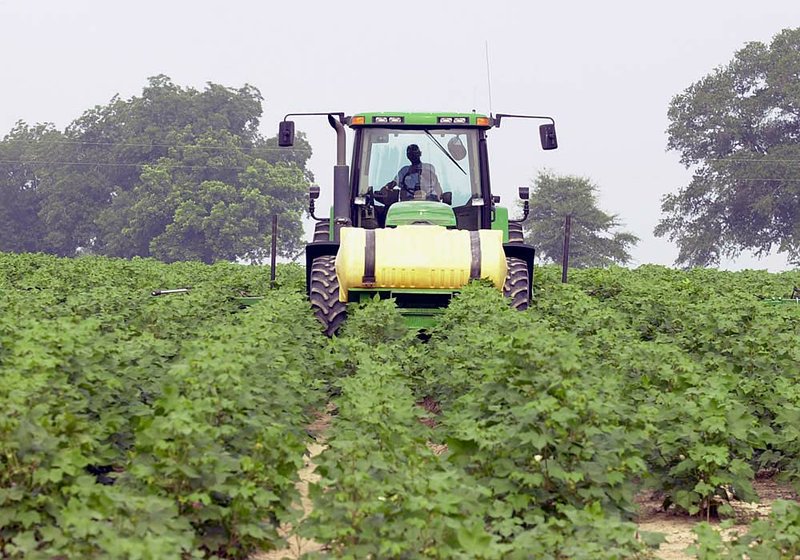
(24, 168)
(175, 173)
(592, 241)
(739, 128)
(173, 219)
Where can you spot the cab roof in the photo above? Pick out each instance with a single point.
(401, 119)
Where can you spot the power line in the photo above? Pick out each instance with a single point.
(107, 164)
(756, 160)
(158, 145)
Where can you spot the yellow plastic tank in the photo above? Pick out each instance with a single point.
(418, 256)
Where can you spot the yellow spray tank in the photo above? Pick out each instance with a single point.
(418, 257)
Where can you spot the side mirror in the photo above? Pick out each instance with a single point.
(286, 134)
(313, 192)
(547, 133)
(447, 198)
(524, 193)
(456, 148)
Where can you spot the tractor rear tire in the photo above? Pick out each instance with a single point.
(324, 294)
(515, 233)
(517, 284)
(322, 231)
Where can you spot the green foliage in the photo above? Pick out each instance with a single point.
(384, 493)
(21, 179)
(226, 438)
(390, 495)
(148, 427)
(593, 241)
(703, 444)
(736, 128)
(176, 173)
(533, 419)
(584, 534)
(160, 427)
(711, 371)
(522, 475)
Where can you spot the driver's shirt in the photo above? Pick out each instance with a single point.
(422, 175)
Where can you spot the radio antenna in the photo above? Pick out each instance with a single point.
(488, 78)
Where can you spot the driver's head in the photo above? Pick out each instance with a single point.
(413, 153)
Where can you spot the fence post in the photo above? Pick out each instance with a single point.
(274, 251)
(565, 255)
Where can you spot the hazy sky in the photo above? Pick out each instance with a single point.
(605, 71)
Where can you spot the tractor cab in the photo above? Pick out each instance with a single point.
(413, 216)
(433, 162)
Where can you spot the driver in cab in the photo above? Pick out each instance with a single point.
(417, 181)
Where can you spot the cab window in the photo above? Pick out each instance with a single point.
(453, 153)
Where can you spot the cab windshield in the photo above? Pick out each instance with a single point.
(452, 154)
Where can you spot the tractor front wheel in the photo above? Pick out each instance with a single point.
(517, 284)
(324, 294)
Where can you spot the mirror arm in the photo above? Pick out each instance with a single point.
(311, 209)
(498, 117)
(337, 113)
(547, 132)
(525, 211)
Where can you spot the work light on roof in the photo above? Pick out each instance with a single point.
(387, 120)
(453, 120)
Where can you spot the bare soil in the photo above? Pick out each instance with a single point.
(677, 527)
(297, 546)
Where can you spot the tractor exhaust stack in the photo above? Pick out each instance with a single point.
(341, 181)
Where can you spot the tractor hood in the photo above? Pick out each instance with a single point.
(423, 212)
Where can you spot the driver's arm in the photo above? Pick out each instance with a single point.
(396, 181)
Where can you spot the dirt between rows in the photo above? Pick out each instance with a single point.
(297, 546)
(675, 526)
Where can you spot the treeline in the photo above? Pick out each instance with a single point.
(175, 173)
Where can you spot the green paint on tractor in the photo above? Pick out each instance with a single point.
(400, 119)
(420, 212)
(500, 221)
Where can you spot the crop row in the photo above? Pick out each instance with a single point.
(552, 420)
(144, 427)
(453, 448)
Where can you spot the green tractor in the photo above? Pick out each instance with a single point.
(413, 217)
